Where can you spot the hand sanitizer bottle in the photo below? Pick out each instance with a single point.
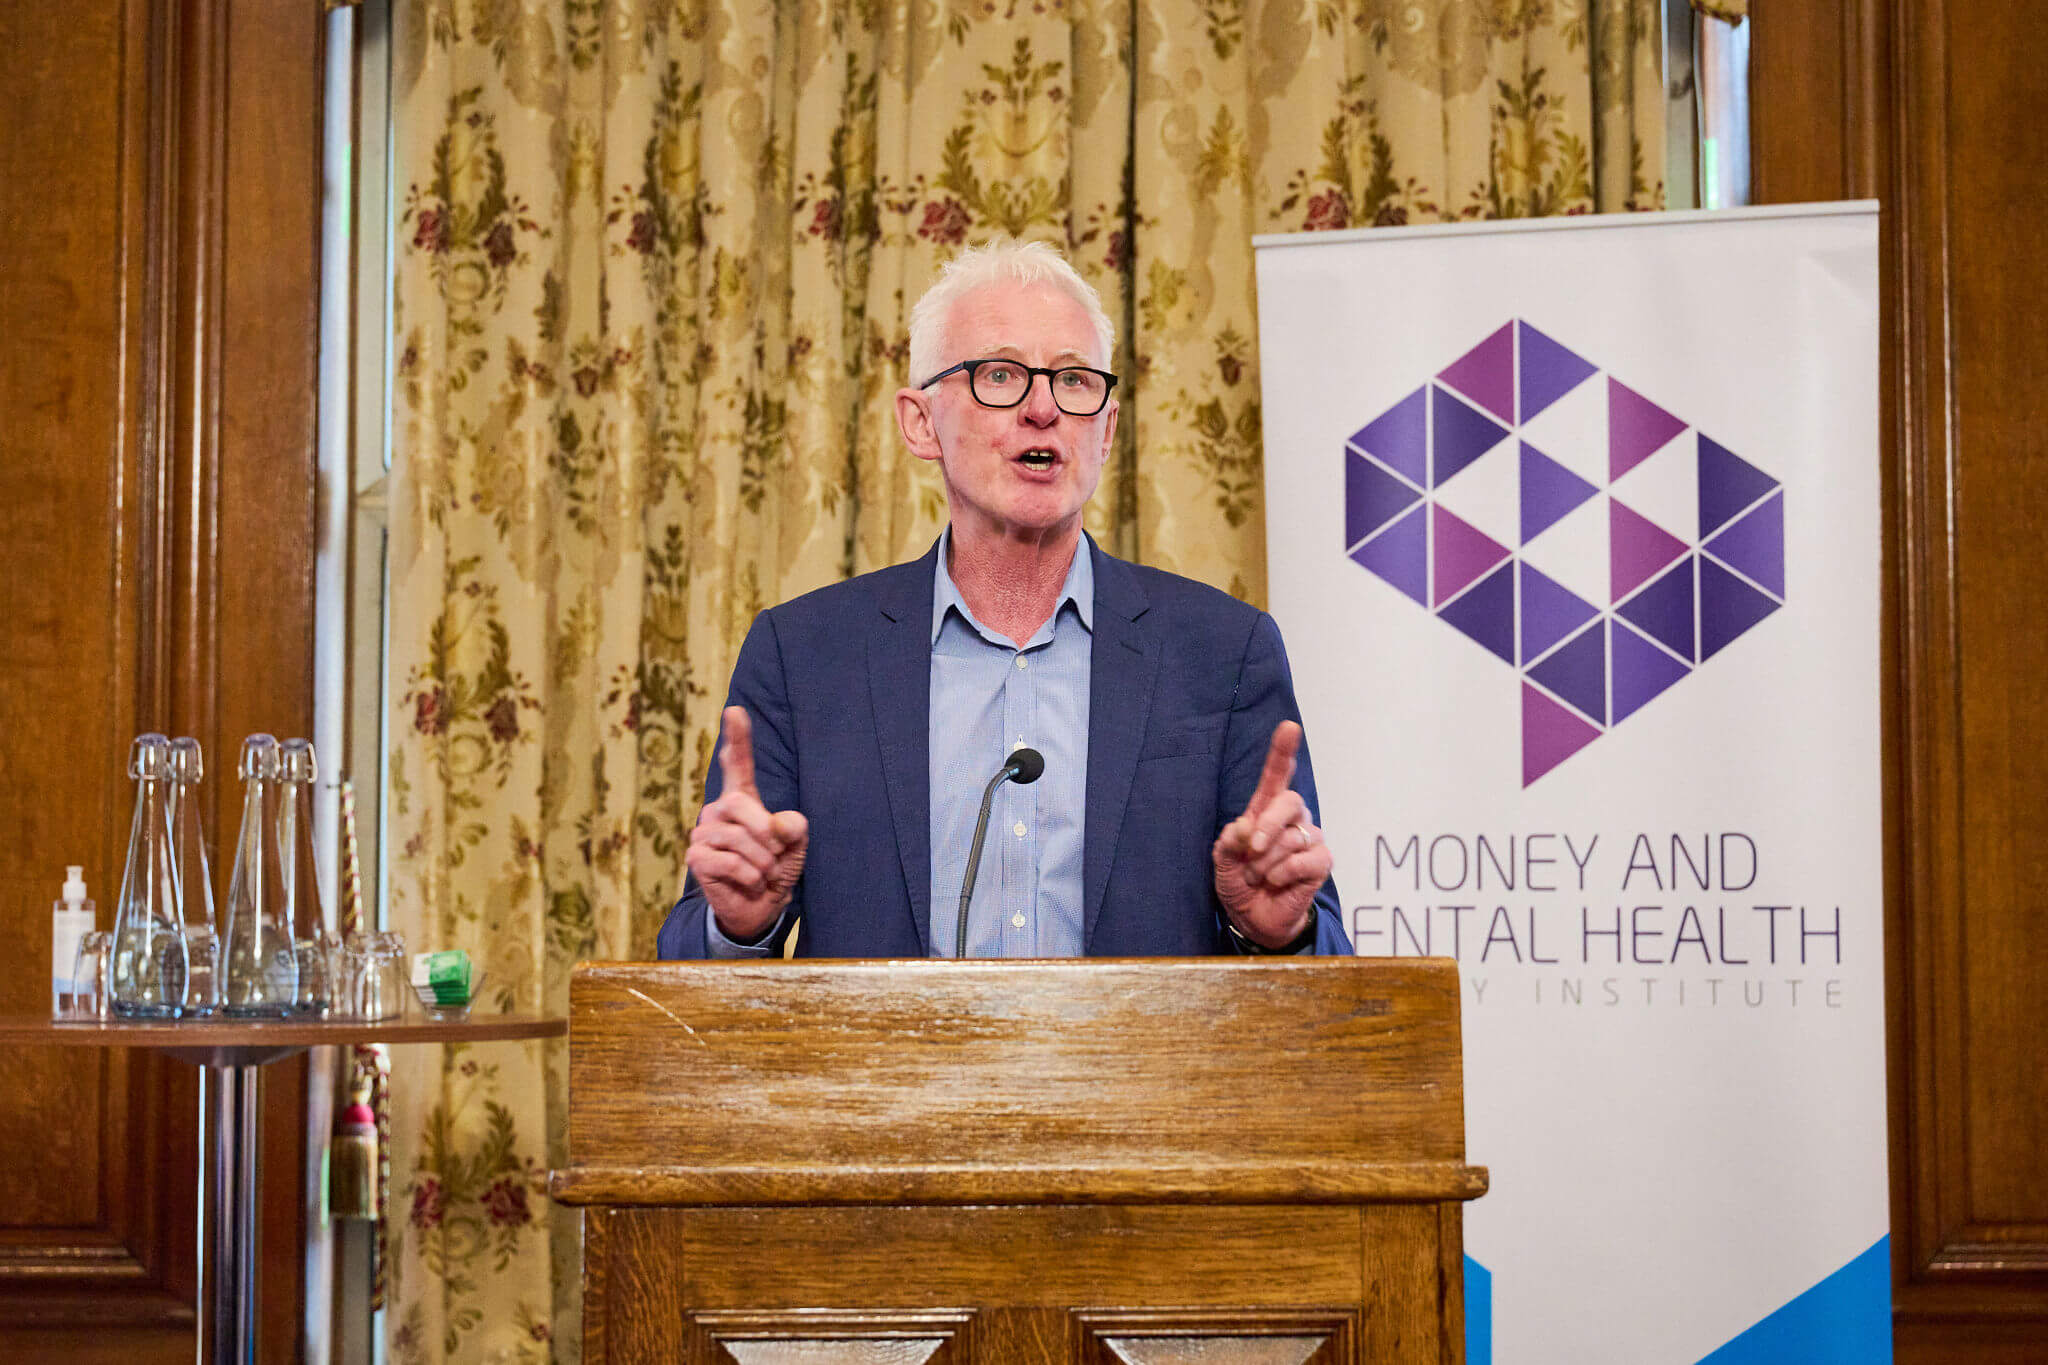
(71, 919)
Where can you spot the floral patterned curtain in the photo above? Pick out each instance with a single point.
(654, 261)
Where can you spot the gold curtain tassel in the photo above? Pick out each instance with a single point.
(352, 1163)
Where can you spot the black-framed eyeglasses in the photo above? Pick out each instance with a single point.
(1079, 390)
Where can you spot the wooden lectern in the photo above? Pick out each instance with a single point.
(1181, 1160)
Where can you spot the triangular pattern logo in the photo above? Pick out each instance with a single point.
(1623, 548)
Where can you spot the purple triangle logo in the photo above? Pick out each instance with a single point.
(1590, 658)
(1641, 670)
(1755, 546)
(1487, 614)
(1400, 555)
(1636, 548)
(1548, 370)
(1372, 498)
(1486, 374)
(1664, 610)
(1549, 612)
(1550, 734)
(1463, 552)
(1578, 673)
(1399, 437)
(1728, 483)
(1462, 435)
(1636, 428)
(1549, 491)
(1728, 608)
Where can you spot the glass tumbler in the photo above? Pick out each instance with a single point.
(375, 984)
(92, 977)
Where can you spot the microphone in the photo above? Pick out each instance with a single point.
(1023, 767)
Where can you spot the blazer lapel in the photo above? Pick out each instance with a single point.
(899, 687)
(1124, 661)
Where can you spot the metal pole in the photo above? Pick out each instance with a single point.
(219, 1202)
(248, 1232)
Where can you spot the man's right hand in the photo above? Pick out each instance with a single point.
(746, 857)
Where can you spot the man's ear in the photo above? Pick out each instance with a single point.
(1109, 429)
(914, 420)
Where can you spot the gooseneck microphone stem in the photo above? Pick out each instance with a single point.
(1023, 767)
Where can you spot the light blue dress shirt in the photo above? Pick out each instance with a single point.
(989, 697)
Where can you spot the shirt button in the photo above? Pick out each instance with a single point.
(1016, 921)
(1022, 662)
(1020, 829)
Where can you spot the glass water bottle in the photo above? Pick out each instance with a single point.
(193, 867)
(316, 949)
(258, 977)
(149, 932)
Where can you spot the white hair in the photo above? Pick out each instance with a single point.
(1004, 259)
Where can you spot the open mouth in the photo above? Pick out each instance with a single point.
(1040, 460)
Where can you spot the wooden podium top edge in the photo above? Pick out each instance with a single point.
(1244, 1182)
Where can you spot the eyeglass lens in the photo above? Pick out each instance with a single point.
(1079, 392)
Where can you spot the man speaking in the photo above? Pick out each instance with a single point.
(1111, 753)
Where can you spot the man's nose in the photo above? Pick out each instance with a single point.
(1041, 412)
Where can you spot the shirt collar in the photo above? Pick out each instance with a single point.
(1079, 589)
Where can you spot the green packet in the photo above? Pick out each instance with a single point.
(445, 973)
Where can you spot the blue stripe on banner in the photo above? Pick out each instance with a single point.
(1846, 1319)
(1478, 1313)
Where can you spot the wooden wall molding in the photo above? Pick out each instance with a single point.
(1815, 73)
(1971, 1190)
(162, 209)
(186, 197)
(94, 138)
(1936, 106)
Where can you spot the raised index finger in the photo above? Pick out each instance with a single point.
(736, 757)
(1279, 769)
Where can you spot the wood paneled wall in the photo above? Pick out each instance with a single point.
(1940, 109)
(159, 197)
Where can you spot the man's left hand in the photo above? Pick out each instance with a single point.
(1271, 860)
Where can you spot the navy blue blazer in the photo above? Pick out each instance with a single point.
(1186, 684)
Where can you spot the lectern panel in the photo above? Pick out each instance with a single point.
(1249, 1336)
(1409, 1288)
(835, 1351)
(1216, 1350)
(827, 1338)
(1040, 1256)
(1174, 1064)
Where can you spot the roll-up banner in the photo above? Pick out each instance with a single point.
(1573, 530)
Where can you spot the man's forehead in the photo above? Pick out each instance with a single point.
(1007, 317)
(1020, 350)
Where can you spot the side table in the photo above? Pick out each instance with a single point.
(229, 1052)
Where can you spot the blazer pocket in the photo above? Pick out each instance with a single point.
(1184, 741)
